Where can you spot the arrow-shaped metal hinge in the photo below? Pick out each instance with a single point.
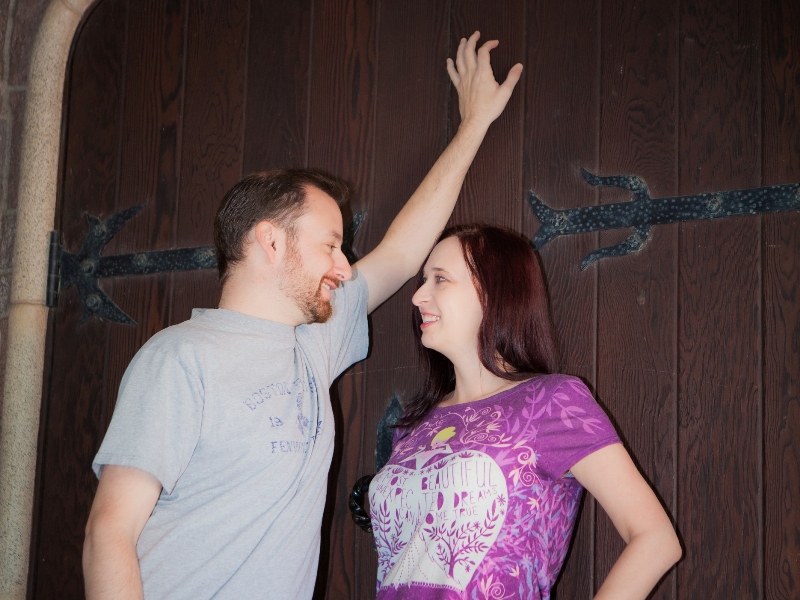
(643, 211)
(85, 268)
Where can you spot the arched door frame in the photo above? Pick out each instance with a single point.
(27, 320)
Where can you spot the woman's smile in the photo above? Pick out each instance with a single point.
(428, 320)
(448, 303)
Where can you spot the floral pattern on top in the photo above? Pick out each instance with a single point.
(477, 502)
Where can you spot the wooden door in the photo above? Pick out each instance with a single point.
(692, 344)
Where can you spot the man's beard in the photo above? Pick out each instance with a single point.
(301, 287)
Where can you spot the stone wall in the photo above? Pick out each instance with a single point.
(19, 22)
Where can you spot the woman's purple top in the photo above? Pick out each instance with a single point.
(478, 502)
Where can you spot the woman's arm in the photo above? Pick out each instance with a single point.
(652, 546)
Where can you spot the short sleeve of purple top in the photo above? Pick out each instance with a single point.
(477, 501)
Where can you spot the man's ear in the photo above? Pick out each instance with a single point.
(271, 239)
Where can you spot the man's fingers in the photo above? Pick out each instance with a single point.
(511, 80)
(483, 53)
(484, 61)
(451, 70)
(460, 62)
(471, 73)
(472, 41)
(469, 50)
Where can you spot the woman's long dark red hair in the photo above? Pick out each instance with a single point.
(515, 338)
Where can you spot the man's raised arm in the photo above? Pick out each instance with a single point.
(412, 233)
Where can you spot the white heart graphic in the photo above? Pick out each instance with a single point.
(451, 512)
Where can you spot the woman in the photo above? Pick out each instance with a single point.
(480, 495)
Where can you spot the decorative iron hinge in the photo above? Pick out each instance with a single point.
(385, 435)
(383, 451)
(644, 211)
(85, 268)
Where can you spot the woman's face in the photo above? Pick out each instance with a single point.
(448, 302)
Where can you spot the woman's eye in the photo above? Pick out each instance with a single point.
(439, 279)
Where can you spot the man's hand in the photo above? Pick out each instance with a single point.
(411, 235)
(479, 95)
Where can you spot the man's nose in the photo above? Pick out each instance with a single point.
(342, 269)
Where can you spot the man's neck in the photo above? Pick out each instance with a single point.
(258, 299)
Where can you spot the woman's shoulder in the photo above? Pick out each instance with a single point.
(556, 381)
(559, 387)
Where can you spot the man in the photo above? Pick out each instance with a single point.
(213, 472)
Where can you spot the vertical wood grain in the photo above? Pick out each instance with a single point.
(212, 137)
(692, 344)
(719, 344)
(493, 187)
(637, 312)
(148, 173)
(278, 64)
(411, 130)
(74, 408)
(781, 303)
(341, 135)
(342, 86)
(561, 136)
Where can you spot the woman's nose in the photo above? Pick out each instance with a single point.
(420, 296)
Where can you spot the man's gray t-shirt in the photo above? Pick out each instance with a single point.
(232, 414)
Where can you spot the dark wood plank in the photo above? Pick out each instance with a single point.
(74, 417)
(342, 86)
(341, 141)
(148, 174)
(339, 567)
(358, 126)
(278, 64)
(560, 136)
(637, 312)
(212, 137)
(719, 295)
(781, 307)
(493, 188)
(410, 132)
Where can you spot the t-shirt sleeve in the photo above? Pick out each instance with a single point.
(572, 427)
(157, 418)
(345, 337)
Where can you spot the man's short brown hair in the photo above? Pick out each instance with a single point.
(277, 196)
